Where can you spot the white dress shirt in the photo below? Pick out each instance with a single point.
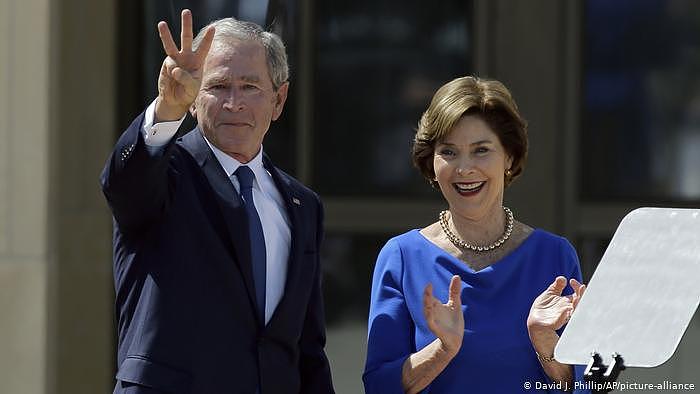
(268, 202)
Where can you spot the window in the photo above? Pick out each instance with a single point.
(377, 66)
(641, 110)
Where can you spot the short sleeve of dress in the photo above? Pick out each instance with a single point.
(570, 259)
(389, 339)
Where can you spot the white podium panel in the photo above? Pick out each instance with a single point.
(643, 294)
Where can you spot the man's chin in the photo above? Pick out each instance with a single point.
(243, 152)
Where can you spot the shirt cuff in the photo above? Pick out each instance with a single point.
(159, 134)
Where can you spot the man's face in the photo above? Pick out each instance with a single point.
(237, 101)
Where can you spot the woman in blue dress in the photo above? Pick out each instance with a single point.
(509, 288)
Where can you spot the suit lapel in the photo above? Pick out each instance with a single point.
(230, 204)
(294, 211)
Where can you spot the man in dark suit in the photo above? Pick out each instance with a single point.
(216, 251)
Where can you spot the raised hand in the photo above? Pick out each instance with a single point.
(181, 73)
(551, 310)
(446, 321)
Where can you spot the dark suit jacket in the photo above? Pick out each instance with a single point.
(185, 300)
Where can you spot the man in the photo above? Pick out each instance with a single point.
(216, 251)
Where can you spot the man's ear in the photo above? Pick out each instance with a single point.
(280, 99)
(193, 110)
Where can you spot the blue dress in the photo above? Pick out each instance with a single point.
(496, 354)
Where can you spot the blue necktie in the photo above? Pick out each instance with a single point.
(257, 237)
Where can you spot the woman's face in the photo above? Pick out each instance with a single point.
(469, 167)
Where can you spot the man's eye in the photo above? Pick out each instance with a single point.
(217, 86)
(447, 152)
(481, 149)
(249, 87)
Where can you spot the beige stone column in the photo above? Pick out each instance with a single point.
(57, 103)
(83, 94)
(24, 132)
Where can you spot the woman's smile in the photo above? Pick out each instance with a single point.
(469, 189)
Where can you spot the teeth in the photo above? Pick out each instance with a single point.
(469, 186)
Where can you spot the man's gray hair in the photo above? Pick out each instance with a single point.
(231, 28)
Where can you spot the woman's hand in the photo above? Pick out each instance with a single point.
(446, 321)
(551, 310)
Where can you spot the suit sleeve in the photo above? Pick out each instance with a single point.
(313, 364)
(135, 179)
(390, 327)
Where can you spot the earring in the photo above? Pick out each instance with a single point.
(509, 172)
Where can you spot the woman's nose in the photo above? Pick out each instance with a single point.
(464, 167)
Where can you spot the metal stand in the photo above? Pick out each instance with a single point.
(601, 376)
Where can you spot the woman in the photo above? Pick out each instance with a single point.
(503, 280)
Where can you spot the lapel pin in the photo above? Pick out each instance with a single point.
(296, 201)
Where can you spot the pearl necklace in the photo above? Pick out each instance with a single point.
(458, 242)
